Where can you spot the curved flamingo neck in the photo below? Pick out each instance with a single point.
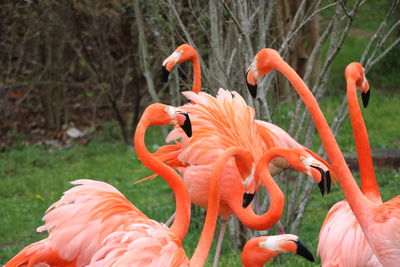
(369, 186)
(356, 199)
(203, 247)
(274, 213)
(196, 74)
(182, 197)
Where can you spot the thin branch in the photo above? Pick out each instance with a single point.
(185, 31)
(305, 21)
(383, 54)
(378, 32)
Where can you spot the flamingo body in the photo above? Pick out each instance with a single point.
(78, 223)
(342, 241)
(379, 221)
(219, 123)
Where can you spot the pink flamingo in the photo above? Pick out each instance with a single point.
(259, 250)
(88, 214)
(219, 123)
(340, 230)
(379, 221)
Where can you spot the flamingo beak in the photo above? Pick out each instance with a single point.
(247, 198)
(303, 251)
(325, 184)
(365, 98)
(164, 74)
(251, 82)
(187, 125)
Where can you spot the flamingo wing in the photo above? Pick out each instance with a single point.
(77, 224)
(144, 242)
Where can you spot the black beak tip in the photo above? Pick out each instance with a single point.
(365, 98)
(328, 181)
(164, 74)
(252, 88)
(303, 251)
(187, 125)
(247, 198)
(325, 184)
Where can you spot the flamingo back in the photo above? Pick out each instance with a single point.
(77, 224)
(342, 241)
(144, 242)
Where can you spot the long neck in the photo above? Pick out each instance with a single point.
(196, 74)
(369, 186)
(274, 213)
(182, 197)
(350, 189)
(203, 247)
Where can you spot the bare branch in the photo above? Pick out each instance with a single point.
(382, 55)
(144, 53)
(378, 32)
(308, 19)
(188, 37)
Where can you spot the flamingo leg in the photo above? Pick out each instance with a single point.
(281, 229)
(220, 239)
(170, 220)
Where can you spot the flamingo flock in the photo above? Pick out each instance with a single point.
(224, 156)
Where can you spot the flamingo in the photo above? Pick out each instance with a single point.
(87, 214)
(379, 221)
(259, 250)
(195, 157)
(182, 54)
(340, 230)
(93, 224)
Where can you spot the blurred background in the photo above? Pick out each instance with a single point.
(76, 75)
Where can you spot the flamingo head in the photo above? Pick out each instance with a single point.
(261, 249)
(160, 114)
(245, 165)
(182, 54)
(264, 61)
(303, 161)
(355, 71)
(250, 188)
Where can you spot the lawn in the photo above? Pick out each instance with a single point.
(34, 177)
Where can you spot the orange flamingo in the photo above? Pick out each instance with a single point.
(88, 214)
(219, 123)
(340, 230)
(260, 250)
(182, 54)
(379, 221)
